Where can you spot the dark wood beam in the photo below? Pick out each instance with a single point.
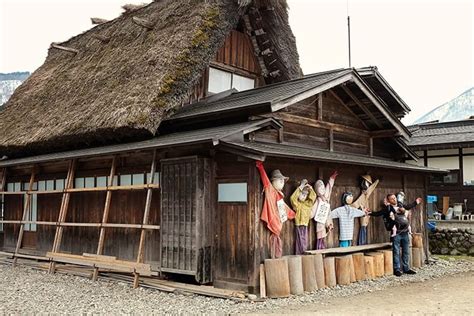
(361, 105)
(334, 94)
(387, 133)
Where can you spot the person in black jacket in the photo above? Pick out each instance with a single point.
(401, 238)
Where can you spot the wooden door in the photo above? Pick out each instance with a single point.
(232, 235)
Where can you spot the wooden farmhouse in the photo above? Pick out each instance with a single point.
(138, 139)
(450, 146)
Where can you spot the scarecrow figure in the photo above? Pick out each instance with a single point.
(362, 202)
(321, 209)
(346, 215)
(275, 211)
(302, 201)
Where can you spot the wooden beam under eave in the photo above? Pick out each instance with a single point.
(361, 105)
(331, 140)
(320, 107)
(371, 146)
(334, 94)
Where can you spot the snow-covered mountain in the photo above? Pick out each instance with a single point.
(9, 82)
(459, 108)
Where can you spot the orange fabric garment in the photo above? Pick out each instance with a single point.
(270, 214)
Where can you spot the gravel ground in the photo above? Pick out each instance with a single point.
(25, 290)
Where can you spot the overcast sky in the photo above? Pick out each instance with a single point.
(424, 48)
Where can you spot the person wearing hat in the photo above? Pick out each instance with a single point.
(321, 209)
(346, 215)
(362, 202)
(302, 201)
(275, 211)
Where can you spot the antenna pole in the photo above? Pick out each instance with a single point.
(349, 38)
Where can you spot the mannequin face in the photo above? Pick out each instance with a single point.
(364, 184)
(349, 199)
(303, 195)
(278, 184)
(320, 189)
(400, 198)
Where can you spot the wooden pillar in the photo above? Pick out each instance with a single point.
(146, 215)
(359, 266)
(263, 288)
(254, 222)
(369, 267)
(320, 107)
(331, 139)
(343, 270)
(319, 267)
(105, 216)
(388, 261)
(309, 273)
(379, 263)
(330, 271)
(26, 212)
(63, 212)
(295, 274)
(417, 257)
(277, 278)
(371, 146)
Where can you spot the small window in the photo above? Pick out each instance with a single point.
(89, 182)
(60, 184)
(156, 179)
(49, 185)
(101, 182)
(219, 80)
(125, 179)
(138, 178)
(79, 183)
(41, 185)
(232, 192)
(451, 178)
(242, 83)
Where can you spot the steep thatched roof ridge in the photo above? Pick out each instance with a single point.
(125, 78)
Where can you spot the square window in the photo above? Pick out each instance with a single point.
(242, 83)
(219, 80)
(232, 192)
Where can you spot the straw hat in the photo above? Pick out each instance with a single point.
(367, 178)
(276, 174)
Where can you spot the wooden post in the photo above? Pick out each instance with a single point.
(63, 212)
(369, 267)
(277, 278)
(417, 240)
(351, 261)
(388, 261)
(320, 107)
(309, 273)
(263, 288)
(319, 267)
(330, 271)
(359, 266)
(379, 263)
(295, 274)
(343, 270)
(416, 254)
(331, 139)
(105, 216)
(26, 212)
(146, 215)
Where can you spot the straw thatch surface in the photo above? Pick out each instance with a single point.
(121, 89)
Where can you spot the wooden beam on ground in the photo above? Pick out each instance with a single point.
(361, 105)
(344, 250)
(25, 216)
(64, 48)
(143, 23)
(63, 212)
(105, 216)
(146, 215)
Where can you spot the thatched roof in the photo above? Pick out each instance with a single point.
(120, 79)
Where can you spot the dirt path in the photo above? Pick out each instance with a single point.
(452, 295)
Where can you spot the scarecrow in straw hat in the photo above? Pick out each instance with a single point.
(275, 211)
(367, 188)
(302, 201)
(346, 215)
(321, 208)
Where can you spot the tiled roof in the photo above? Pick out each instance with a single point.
(442, 133)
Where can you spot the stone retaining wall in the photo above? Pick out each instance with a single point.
(452, 241)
